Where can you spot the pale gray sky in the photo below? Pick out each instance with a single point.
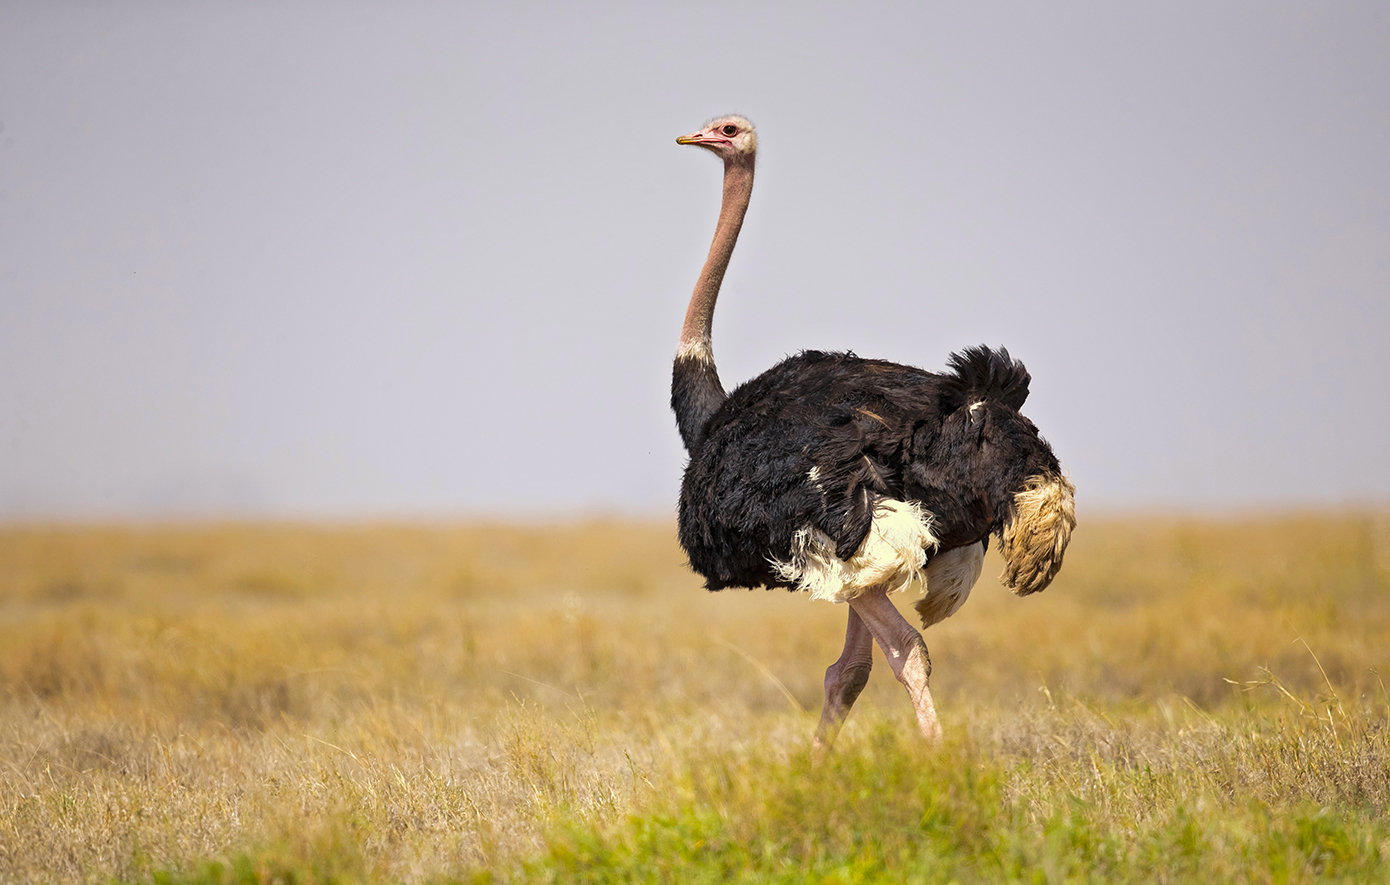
(344, 259)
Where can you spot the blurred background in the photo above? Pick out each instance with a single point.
(428, 260)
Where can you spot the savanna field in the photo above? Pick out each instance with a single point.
(1191, 700)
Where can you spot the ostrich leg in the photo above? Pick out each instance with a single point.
(906, 653)
(845, 679)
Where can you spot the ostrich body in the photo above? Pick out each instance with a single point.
(853, 478)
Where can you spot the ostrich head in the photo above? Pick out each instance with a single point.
(732, 138)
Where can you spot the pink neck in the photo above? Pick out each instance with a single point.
(699, 316)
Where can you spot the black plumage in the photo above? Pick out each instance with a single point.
(821, 438)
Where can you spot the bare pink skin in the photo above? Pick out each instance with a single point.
(845, 679)
(906, 652)
(873, 617)
(738, 153)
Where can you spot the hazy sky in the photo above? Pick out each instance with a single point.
(427, 259)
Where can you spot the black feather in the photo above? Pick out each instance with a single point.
(696, 393)
(871, 430)
(986, 374)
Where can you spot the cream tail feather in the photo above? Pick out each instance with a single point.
(1037, 533)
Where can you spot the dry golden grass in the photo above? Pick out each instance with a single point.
(416, 702)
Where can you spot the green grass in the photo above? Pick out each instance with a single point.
(886, 810)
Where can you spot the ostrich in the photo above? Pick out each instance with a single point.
(854, 478)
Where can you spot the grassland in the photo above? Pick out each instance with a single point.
(251, 703)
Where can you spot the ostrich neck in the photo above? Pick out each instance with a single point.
(696, 392)
(699, 316)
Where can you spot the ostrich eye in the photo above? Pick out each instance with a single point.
(730, 129)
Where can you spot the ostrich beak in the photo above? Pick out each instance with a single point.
(692, 138)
